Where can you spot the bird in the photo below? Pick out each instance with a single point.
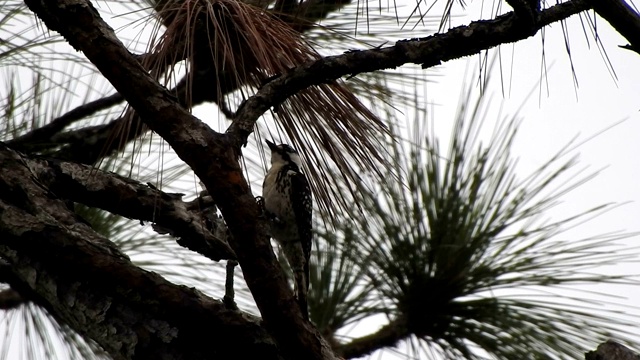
(288, 204)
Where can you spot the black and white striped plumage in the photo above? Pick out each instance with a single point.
(288, 202)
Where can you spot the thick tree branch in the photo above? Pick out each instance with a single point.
(430, 51)
(85, 282)
(622, 17)
(122, 196)
(212, 157)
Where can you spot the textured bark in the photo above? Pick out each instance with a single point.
(88, 284)
(611, 350)
(212, 156)
(122, 196)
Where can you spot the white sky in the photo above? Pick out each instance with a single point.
(599, 102)
(553, 119)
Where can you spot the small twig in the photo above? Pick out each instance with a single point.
(229, 293)
(387, 336)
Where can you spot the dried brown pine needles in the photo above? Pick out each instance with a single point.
(239, 47)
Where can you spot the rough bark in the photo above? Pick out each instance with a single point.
(125, 197)
(212, 157)
(88, 284)
(611, 350)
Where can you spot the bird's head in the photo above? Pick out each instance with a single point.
(284, 154)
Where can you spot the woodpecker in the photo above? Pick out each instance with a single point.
(288, 204)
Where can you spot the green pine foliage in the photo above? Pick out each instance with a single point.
(457, 254)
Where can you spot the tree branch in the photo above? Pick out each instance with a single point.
(122, 196)
(213, 158)
(622, 18)
(90, 144)
(430, 51)
(33, 140)
(88, 284)
(388, 336)
(17, 293)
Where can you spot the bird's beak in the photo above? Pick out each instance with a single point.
(272, 146)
